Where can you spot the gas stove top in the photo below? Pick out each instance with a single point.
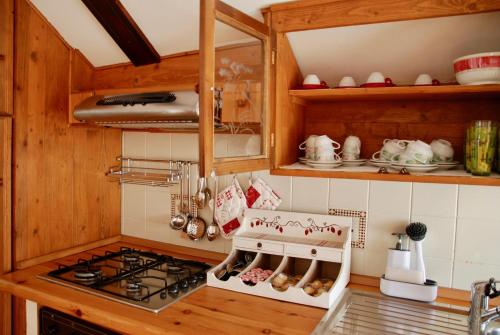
(139, 278)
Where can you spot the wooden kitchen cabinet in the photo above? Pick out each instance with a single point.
(235, 107)
(373, 114)
(6, 55)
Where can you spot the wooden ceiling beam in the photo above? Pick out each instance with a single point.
(125, 32)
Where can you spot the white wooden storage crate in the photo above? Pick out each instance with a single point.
(312, 245)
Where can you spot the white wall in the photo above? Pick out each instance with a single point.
(463, 221)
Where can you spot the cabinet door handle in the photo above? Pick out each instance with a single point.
(259, 245)
(314, 252)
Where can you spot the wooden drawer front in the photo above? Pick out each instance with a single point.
(319, 253)
(257, 245)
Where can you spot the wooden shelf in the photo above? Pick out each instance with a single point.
(398, 92)
(370, 173)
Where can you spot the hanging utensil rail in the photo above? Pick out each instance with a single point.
(150, 172)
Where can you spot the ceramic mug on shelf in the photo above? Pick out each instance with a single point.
(311, 79)
(325, 149)
(347, 82)
(417, 152)
(442, 150)
(390, 149)
(309, 146)
(351, 148)
(424, 80)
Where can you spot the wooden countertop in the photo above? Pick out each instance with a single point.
(206, 311)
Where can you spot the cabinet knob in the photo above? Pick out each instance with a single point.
(314, 252)
(259, 245)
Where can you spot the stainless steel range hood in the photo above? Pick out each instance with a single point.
(145, 110)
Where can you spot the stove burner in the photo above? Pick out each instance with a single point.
(134, 287)
(175, 270)
(131, 258)
(88, 273)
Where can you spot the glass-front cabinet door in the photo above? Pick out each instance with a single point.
(235, 57)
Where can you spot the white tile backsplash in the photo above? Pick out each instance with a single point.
(479, 202)
(349, 194)
(464, 274)
(434, 200)
(477, 241)
(310, 195)
(462, 221)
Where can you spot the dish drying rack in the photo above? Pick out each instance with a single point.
(149, 172)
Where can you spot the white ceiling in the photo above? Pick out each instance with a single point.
(400, 50)
(170, 25)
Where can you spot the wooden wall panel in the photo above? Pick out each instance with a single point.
(61, 198)
(289, 116)
(82, 72)
(174, 72)
(373, 121)
(6, 55)
(5, 219)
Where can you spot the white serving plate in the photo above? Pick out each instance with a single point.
(415, 167)
(353, 162)
(323, 165)
(379, 162)
(443, 166)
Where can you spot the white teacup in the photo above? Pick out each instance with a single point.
(325, 149)
(389, 150)
(425, 79)
(327, 155)
(419, 152)
(309, 145)
(347, 82)
(311, 79)
(326, 142)
(375, 77)
(442, 151)
(351, 148)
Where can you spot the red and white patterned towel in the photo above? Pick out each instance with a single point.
(229, 206)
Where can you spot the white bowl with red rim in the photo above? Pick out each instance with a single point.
(478, 69)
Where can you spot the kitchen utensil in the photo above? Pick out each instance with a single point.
(483, 147)
(180, 220)
(478, 69)
(416, 232)
(203, 194)
(213, 230)
(196, 226)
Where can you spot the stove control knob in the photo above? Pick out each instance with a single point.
(173, 289)
(201, 275)
(163, 295)
(184, 284)
(193, 280)
(53, 330)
